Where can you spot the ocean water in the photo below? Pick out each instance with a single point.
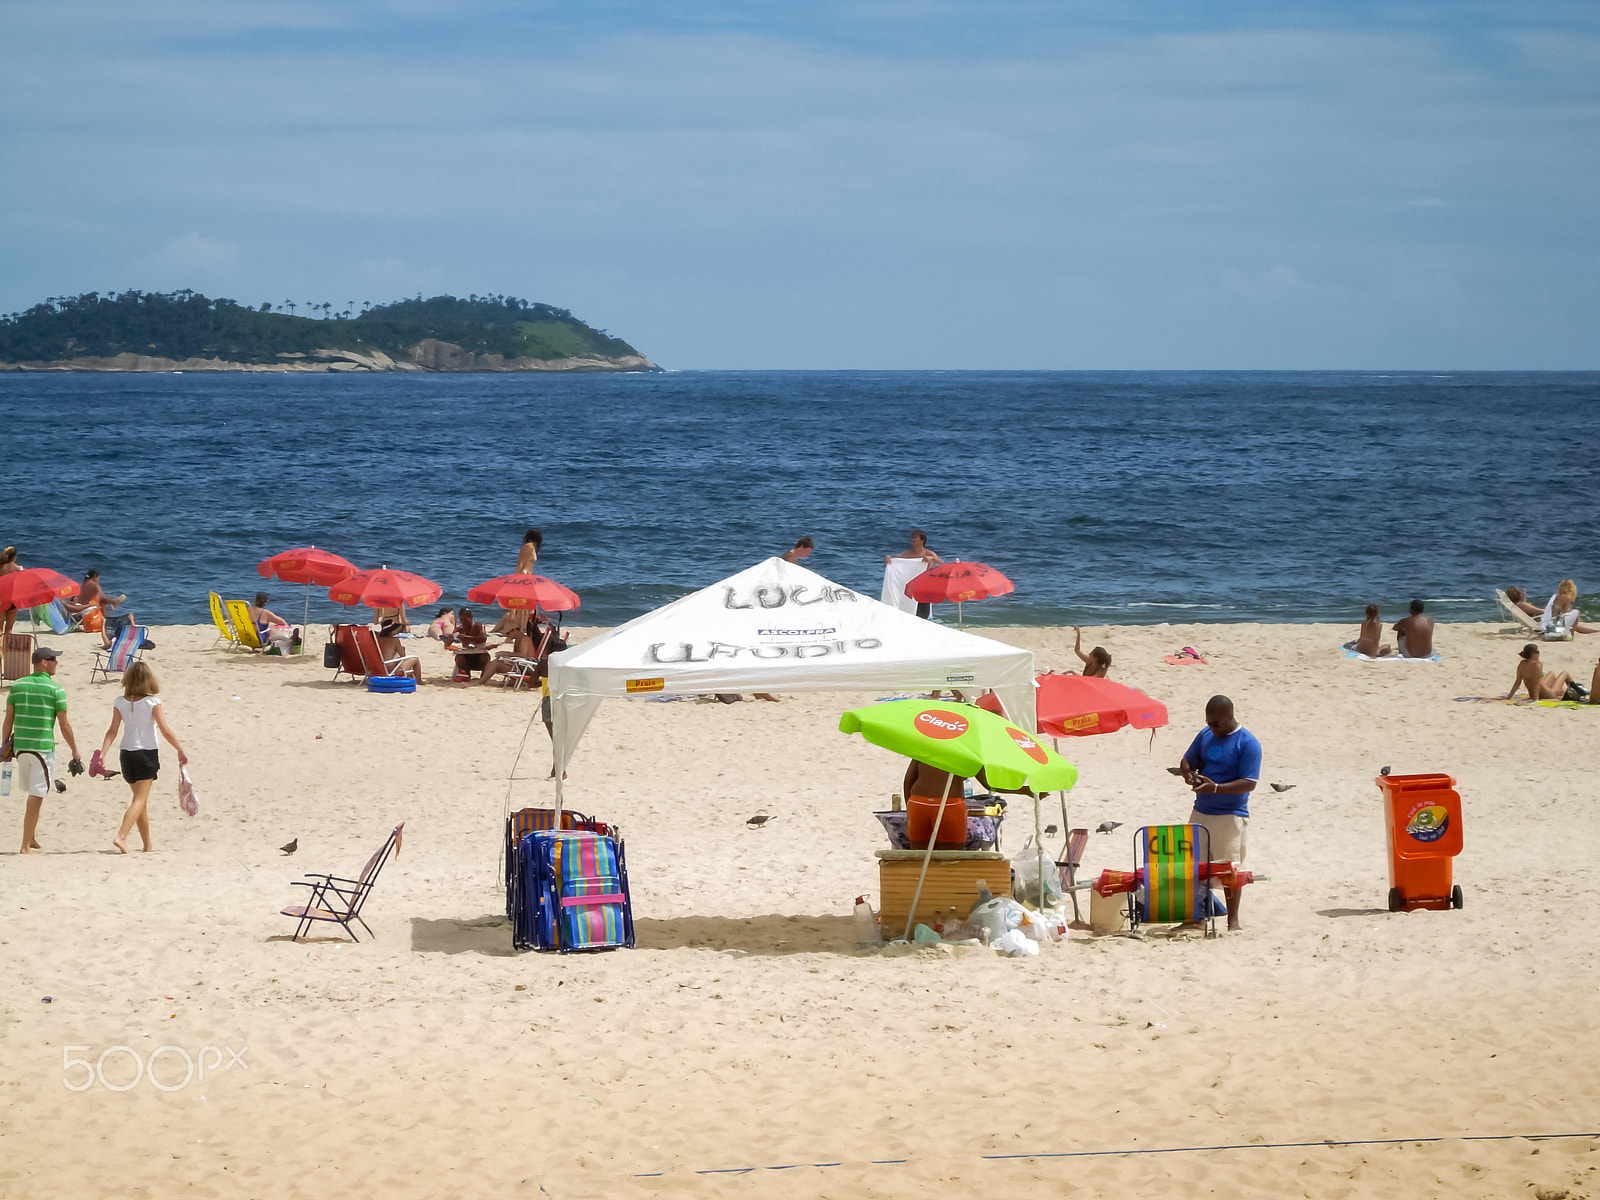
(1106, 497)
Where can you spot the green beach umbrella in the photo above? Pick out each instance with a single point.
(963, 740)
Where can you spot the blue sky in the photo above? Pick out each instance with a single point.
(852, 185)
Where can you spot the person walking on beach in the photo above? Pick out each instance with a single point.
(802, 549)
(137, 712)
(9, 565)
(1222, 766)
(36, 704)
(1414, 634)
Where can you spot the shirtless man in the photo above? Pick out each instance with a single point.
(1370, 640)
(468, 644)
(1531, 675)
(924, 788)
(802, 549)
(1414, 634)
(918, 549)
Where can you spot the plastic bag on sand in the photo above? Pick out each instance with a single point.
(1025, 867)
(995, 917)
(1016, 943)
(186, 797)
(923, 934)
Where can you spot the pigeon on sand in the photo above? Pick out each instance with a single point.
(294, 844)
(1282, 787)
(757, 821)
(1107, 826)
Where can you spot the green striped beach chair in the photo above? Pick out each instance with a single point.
(1171, 859)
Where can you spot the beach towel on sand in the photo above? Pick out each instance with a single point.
(1524, 702)
(1349, 653)
(898, 572)
(1188, 656)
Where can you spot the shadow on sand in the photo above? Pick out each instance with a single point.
(775, 934)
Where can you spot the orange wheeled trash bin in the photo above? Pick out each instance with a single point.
(1422, 821)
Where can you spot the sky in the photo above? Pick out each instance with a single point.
(862, 184)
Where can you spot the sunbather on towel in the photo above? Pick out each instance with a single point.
(1541, 685)
(1370, 640)
(1414, 634)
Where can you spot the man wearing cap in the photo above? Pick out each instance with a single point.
(33, 707)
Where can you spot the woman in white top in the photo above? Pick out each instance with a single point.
(137, 712)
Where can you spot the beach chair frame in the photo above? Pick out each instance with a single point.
(1525, 622)
(1072, 859)
(243, 626)
(1174, 892)
(372, 659)
(225, 634)
(126, 649)
(339, 900)
(539, 820)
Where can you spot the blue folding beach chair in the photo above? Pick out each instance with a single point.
(124, 652)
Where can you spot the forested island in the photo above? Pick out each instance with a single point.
(185, 331)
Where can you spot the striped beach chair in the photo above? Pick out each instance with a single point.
(574, 893)
(537, 820)
(1172, 889)
(16, 655)
(124, 652)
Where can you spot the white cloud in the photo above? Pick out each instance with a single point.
(200, 255)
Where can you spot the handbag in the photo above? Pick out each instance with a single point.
(330, 656)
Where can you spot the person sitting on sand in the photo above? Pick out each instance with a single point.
(1541, 685)
(1519, 600)
(393, 652)
(1562, 613)
(468, 642)
(443, 625)
(1370, 640)
(1414, 634)
(1096, 663)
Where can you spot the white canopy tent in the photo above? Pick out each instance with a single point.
(777, 627)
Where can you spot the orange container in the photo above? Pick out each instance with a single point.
(1422, 824)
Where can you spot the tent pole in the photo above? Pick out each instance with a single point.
(1038, 841)
(911, 917)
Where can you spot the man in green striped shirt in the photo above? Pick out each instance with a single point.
(35, 704)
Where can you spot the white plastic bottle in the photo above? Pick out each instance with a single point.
(866, 924)
(5, 778)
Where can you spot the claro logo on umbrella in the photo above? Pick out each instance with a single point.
(940, 723)
(1027, 745)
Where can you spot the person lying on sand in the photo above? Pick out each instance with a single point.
(1414, 634)
(1541, 685)
(1370, 640)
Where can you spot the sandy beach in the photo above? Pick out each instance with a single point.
(745, 1031)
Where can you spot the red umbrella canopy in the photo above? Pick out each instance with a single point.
(307, 565)
(525, 591)
(1078, 705)
(33, 586)
(958, 582)
(384, 588)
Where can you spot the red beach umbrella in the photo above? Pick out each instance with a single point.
(1080, 705)
(307, 565)
(384, 588)
(958, 582)
(34, 586)
(525, 592)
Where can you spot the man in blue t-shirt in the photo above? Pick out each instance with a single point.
(1223, 766)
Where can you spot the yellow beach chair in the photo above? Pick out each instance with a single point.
(239, 614)
(225, 634)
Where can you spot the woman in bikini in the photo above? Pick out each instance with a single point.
(1541, 685)
(1370, 640)
(1096, 663)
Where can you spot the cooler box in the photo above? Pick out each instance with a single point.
(952, 882)
(1422, 824)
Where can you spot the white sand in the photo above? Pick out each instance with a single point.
(744, 1032)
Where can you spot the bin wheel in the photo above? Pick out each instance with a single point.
(1456, 900)
(1396, 903)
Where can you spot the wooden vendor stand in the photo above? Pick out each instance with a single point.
(952, 882)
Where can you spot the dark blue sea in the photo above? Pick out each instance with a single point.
(1106, 497)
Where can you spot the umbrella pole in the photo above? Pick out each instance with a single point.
(927, 858)
(1038, 842)
(305, 621)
